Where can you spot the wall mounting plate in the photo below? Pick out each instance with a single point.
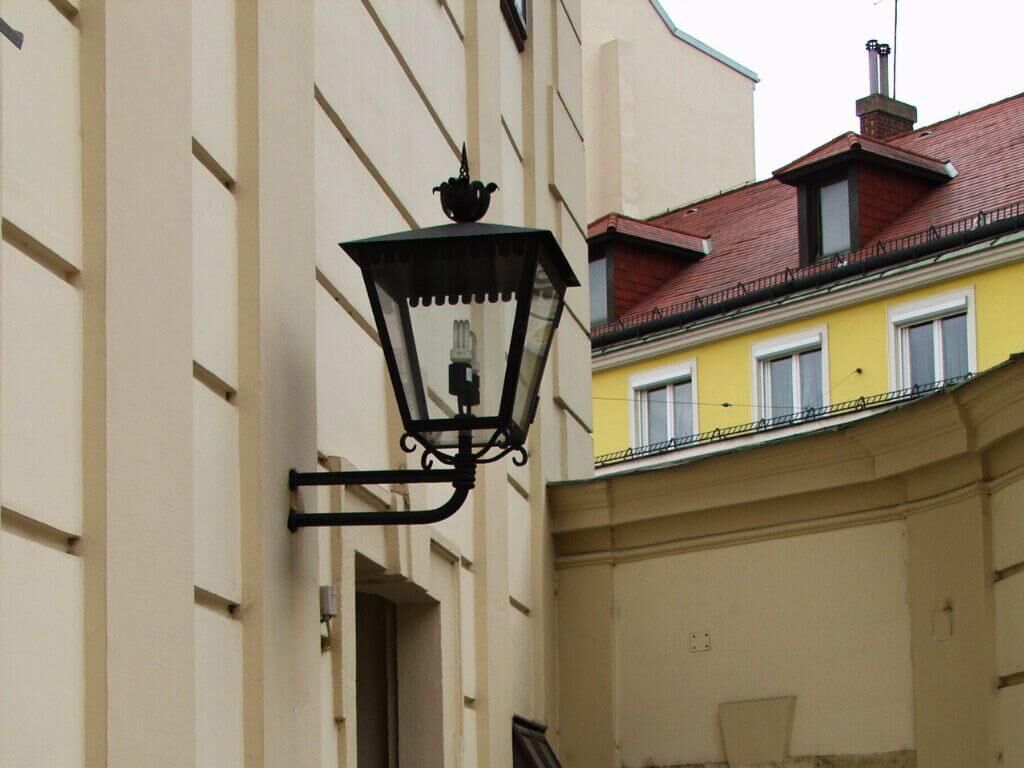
(700, 642)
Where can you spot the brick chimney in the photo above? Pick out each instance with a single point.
(881, 116)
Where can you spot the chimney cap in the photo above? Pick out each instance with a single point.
(872, 45)
(884, 49)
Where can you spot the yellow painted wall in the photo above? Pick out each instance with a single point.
(857, 338)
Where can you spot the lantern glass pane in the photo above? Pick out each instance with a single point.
(425, 297)
(544, 308)
(397, 321)
(434, 329)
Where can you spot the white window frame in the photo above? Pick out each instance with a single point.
(763, 352)
(901, 317)
(640, 383)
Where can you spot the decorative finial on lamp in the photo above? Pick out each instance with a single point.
(463, 200)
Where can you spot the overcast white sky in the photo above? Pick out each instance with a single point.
(951, 56)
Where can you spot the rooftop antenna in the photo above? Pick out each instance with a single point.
(895, 26)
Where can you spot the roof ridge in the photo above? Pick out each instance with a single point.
(629, 226)
(951, 118)
(645, 222)
(904, 150)
(808, 153)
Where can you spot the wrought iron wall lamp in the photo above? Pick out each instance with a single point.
(461, 281)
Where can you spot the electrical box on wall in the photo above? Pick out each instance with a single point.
(700, 642)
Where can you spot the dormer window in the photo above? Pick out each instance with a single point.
(630, 259)
(599, 291)
(834, 235)
(827, 219)
(851, 188)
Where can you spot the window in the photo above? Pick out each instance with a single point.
(933, 340)
(935, 350)
(599, 291)
(515, 14)
(792, 385)
(790, 375)
(664, 405)
(827, 217)
(834, 217)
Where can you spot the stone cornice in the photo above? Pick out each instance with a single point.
(925, 454)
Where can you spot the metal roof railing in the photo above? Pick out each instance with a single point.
(806, 416)
(919, 245)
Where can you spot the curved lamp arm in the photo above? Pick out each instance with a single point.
(298, 520)
(462, 477)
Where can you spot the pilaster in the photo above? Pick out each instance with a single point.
(277, 381)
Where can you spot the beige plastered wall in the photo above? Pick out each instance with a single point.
(665, 123)
(178, 329)
(875, 573)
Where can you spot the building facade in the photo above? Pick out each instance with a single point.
(853, 597)
(806, 515)
(669, 117)
(178, 330)
(859, 275)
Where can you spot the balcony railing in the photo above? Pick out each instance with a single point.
(806, 416)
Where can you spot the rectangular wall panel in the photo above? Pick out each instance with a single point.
(1008, 525)
(519, 548)
(574, 10)
(350, 205)
(513, 204)
(579, 448)
(444, 588)
(40, 393)
(42, 688)
(569, 66)
(574, 245)
(382, 112)
(214, 276)
(1010, 625)
(512, 86)
(469, 738)
(467, 632)
(217, 501)
(1011, 715)
(428, 41)
(218, 690)
(567, 147)
(352, 389)
(571, 358)
(214, 76)
(42, 147)
(459, 527)
(520, 645)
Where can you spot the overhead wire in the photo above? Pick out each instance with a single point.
(729, 404)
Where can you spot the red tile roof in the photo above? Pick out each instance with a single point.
(851, 143)
(642, 230)
(754, 228)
